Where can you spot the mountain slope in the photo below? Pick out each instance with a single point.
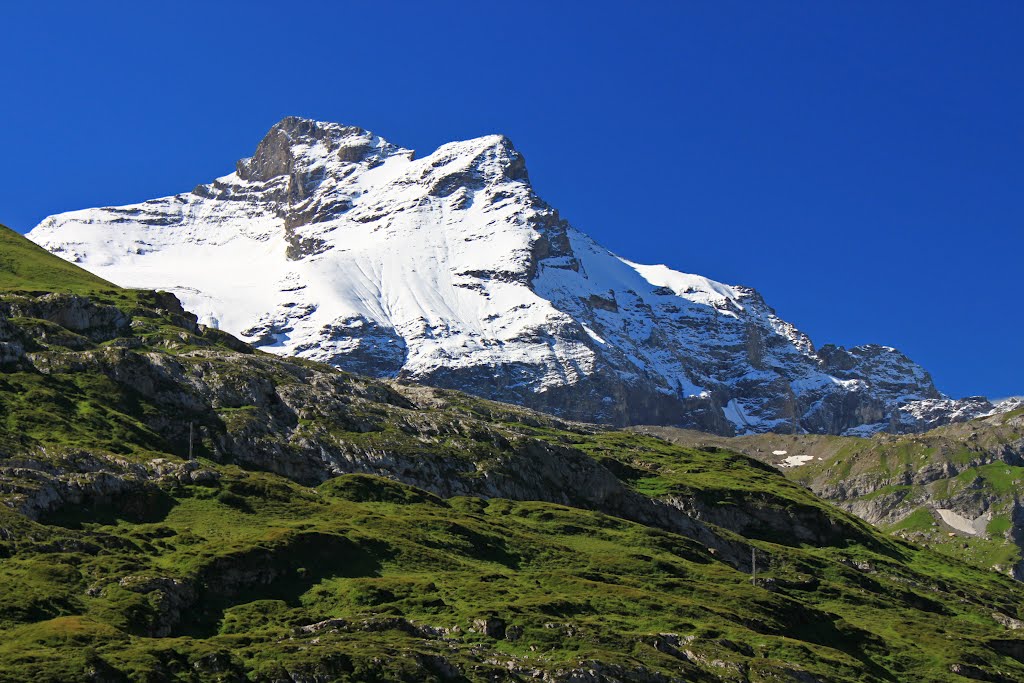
(955, 488)
(333, 244)
(293, 546)
(27, 267)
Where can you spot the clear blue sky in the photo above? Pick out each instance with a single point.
(861, 163)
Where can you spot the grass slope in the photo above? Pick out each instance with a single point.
(27, 267)
(898, 481)
(120, 561)
(411, 579)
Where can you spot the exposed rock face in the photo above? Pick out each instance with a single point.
(75, 314)
(336, 245)
(311, 424)
(965, 477)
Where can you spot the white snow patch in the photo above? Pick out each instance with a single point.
(735, 413)
(867, 430)
(693, 287)
(974, 527)
(594, 335)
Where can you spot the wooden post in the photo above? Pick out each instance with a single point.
(190, 440)
(753, 567)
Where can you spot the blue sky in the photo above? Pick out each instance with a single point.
(859, 163)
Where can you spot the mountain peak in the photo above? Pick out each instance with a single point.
(300, 125)
(493, 155)
(333, 244)
(494, 143)
(296, 144)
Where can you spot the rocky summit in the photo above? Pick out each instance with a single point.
(334, 245)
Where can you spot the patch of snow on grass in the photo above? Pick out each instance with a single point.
(796, 460)
(974, 527)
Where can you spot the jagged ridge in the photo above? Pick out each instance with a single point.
(333, 244)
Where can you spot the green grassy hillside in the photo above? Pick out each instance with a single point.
(26, 267)
(334, 528)
(263, 579)
(900, 482)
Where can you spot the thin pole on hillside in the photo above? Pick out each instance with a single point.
(792, 402)
(190, 440)
(753, 566)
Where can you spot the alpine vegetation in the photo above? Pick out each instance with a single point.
(176, 505)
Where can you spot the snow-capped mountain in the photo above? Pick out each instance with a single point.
(333, 244)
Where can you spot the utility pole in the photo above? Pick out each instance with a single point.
(792, 403)
(190, 439)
